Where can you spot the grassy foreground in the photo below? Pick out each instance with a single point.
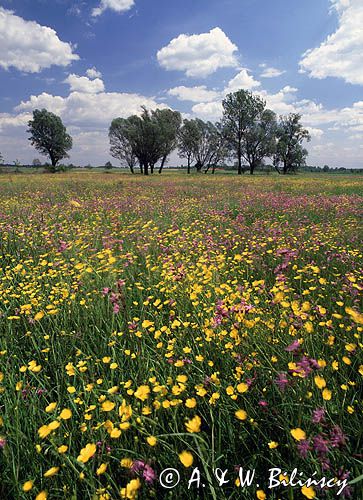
(192, 323)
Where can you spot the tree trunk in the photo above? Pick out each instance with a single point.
(146, 169)
(239, 153)
(252, 168)
(213, 169)
(162, 164)
(188, 171)
(141, 168)
(132, 169)
(151, 168)
(206, 170)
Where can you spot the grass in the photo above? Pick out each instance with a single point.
(183, 322)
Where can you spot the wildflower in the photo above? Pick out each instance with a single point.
(101, 469)
(308, 492)
(43, 495)
(282, 381)
(130, 491)
(318, 416)
(27, 486)
(86, 453)
(319, 382)
(337, 437)
(51, 472)
(272, 445)
(327, 394)
(186, 458)
(65, 414)
(303, 448)
(298, 434)
(108, 406)
(142, 392)
(194, 424)
(151, 440)
(261, 495)
(241, 414)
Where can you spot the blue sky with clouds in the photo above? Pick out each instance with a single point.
(91, 61)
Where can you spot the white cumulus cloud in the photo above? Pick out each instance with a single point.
(270, 72)
(243, 80)
(199, 55)
(93, 73)
(193, 94)
(30, 47)
(341, 54)
(84, 84)
(115, 5)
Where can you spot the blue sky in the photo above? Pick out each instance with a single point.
(92, 61)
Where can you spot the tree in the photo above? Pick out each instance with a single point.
(36, 162)
(147, 139)
(168, 123)
(290, 135)
(241, 109)
(1, 158)
(49, 136)
(188, 137)
(108, 165)
(120, 141)
(218, 147)
(259, 139)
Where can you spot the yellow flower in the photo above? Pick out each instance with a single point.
(28, 485)
(44, 431)
(193, 425)
(43, 495)
(327, 394)
(39, 315)
(191, 403)
(126, 462)
(151, 440)
(319, 382)
(130, 491)
(65, 414)
(54, 425)
(51, 407)
(86, 453)
(308, 492)
(142, 392)
(186, 458)
(101, 469)
(51, 472)
(115, 433)
(260, 494)
(298, 434)
(108, 406)
(272, 445)
(241, 414)
(242, 387)
(62, 449)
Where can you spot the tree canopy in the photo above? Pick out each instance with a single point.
(49, 136)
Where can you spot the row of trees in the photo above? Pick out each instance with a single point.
(248, 132)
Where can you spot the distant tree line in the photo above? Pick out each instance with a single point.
(247, 134)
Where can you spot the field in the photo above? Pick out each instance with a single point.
(183, 322)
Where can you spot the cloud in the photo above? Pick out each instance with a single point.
(341, 54)
(199, 55)
(30, 47)
(8, 120)
(270, 72)
(115, 5)
(194, 94)
(93, 73)
(242, 81)
(85, 109)
(84, 84)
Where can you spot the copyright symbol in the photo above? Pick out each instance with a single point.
(169, 478)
